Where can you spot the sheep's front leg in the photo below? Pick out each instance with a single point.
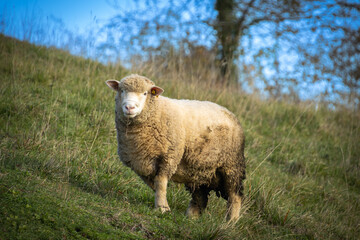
(160, 193)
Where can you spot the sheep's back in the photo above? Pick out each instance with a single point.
(197, 113)
(213, 139)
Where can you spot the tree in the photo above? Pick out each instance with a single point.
(235, 18)
(286, 44)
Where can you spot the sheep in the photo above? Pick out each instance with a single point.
(197, 143)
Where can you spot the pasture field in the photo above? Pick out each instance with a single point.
(60, 176)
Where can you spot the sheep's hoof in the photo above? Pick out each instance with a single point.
(164, 209)
(232, 219)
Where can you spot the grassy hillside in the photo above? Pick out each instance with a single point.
(60, 177)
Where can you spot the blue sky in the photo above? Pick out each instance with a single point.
(76, 14)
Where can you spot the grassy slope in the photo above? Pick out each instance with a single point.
(60, 177)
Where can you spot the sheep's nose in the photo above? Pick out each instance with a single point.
(129, 107)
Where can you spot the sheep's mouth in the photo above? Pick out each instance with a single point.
(130, 115)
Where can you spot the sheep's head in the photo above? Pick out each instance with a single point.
(133, 93)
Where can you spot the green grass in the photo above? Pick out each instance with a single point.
(60, 177)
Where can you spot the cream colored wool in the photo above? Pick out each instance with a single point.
(198, 143)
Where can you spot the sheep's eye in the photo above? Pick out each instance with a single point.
(145, 93)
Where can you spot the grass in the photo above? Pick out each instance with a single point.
(60, 177)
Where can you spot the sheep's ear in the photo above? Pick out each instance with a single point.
(113, 84)
(156, 91)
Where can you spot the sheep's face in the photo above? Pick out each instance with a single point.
(132, 103)
(133, 92)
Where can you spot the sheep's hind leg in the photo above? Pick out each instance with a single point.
(160, 193)
(198, 202)
(232, 190)
(234, 206)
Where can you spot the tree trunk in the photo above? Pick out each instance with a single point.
(228, 36)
